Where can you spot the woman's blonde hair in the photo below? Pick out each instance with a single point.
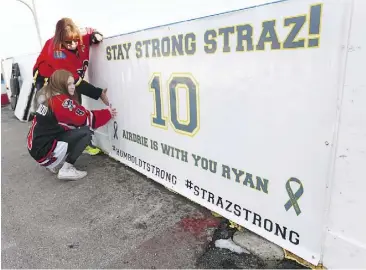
(66, 29)
(57, 84)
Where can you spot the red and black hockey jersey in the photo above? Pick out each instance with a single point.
(52, 59)
(61, 115)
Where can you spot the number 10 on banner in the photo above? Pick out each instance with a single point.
(191, 124)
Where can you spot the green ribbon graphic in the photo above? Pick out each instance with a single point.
(294, 197)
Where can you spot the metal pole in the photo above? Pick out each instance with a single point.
(33, 10)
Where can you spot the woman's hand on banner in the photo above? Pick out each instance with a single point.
(96, 37)
(113, 111)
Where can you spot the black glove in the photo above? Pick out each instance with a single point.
(96, 37)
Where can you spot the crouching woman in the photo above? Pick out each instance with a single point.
(62, 128)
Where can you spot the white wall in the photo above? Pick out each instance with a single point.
(345, 243)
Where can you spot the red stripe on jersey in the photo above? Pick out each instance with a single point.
(54, 144)
(30, 134)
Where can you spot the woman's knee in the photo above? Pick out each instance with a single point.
(86, 131)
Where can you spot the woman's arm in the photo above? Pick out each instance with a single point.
(87, 89)
(91, 37)
(69, 112)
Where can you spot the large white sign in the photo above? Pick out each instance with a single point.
(236, 112)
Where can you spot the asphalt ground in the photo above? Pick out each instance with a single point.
(113, 218)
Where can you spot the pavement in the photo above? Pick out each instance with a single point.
(113, 218)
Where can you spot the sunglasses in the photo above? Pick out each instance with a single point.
(69, 42)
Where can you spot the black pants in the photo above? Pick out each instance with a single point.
(77, 140)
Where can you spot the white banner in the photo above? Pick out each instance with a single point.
(236, 112)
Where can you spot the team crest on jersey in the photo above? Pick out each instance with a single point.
(42, 109)
(79, 112)
(68, 104)
(59, 55)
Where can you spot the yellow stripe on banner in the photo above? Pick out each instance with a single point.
(215, 214)
(235, 225)
(79, 81)
(289, 255)
(35, 76)
(232, 223)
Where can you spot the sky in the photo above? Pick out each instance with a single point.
(110, 17)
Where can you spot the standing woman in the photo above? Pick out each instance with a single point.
(61, 127)
(69, 50)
